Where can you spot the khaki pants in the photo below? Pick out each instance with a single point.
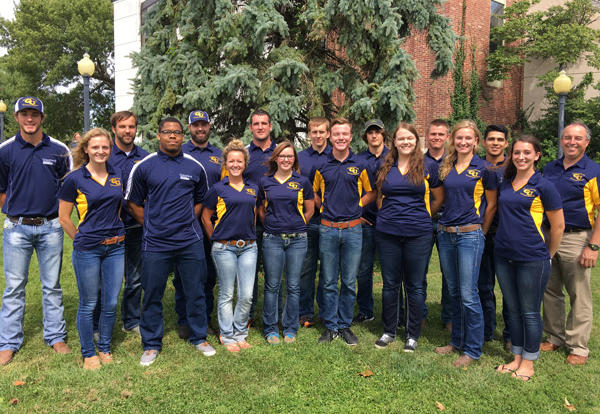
(567, 272)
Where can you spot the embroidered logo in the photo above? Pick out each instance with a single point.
(474, 173)
(577, 177)
(251, 191)
(528, 192)
(186, 177)
(48, 161)
(214, 159)
(353, 170)
(115, 182)
(30, 101)
(292, 185)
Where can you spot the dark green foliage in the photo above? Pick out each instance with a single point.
(295, 59)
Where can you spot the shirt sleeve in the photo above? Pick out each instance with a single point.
(432, 171)
(64, 163)
(201, 187)
(68, 190)
(4, 169)
(210, 199)
(136, 186)
(307, 190)
(551, 199)
(490, 179)
(318, 183)
(366, 178)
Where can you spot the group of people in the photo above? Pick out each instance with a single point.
(216, 216)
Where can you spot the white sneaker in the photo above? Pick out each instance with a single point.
(206, 349)
(148, 357)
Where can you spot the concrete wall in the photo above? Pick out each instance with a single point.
(127, 40)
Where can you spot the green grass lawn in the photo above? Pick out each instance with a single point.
(302, 377)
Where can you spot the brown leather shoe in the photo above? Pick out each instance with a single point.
(91, 363)
(61, 348)
(6, 356)
(106, 358)
(445, 350)
(462, 361)
(573, 359)
(548, 346)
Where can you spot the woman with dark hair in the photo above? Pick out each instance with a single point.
(523, 257)
(469, 208)
(234, 248)
(95, 188)
(285, 209)
(404, 231)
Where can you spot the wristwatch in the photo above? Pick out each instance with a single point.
(593, 246)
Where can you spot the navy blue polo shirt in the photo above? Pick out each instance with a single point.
(374, 163)
(499, 170)
(465, 193)
(284, 203)
(236, 210)
(405, 208)
(578, 188)
(256, 168)
(308, 160)
(209, 157)
(168, 188)
(520, 213)
(30, 176)
(97, 203)
(438, 163)
(125, 163)
(341, 186)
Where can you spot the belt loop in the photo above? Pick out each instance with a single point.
(20, 222)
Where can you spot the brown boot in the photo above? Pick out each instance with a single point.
(106, 358)
(6, 356)
(445, 350)
(573, 359)
(462, 361)
(548, 346)
(91, 363)
(61, 348)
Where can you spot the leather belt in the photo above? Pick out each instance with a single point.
(113, 240)
(459, 229)
(32, 221)
(340, 224)
(574, 229)
(237, 243)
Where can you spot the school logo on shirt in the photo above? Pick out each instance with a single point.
(115, 182)
(353, 170)
(214, 160)
(292, 185)
(577, 177)
(48, 161)
(529, 192)
(473, 173)
(251, 191)
(186, 177)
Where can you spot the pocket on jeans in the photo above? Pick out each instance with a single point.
(8, 225)
(218, 247)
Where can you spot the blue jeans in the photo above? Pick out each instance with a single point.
(364, 278)
(340, 255)
(234, 264)
(308, 274)
(209, 285)
(156, 267)
(19, 242)
(403, 259)
(523, 285)
(460, 257)
(132, 292)
(279, 254)
(98, 270)
(446, 301)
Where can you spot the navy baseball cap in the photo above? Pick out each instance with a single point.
(29, 102)
(378, 123)
(198, 116)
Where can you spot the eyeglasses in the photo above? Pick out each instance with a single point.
(285, 157)
(169, 132)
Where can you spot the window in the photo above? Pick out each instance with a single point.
(496, 12)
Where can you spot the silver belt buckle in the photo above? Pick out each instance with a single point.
(240, 243)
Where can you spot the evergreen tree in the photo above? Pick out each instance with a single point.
(296, 59)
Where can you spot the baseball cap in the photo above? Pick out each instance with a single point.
(374, 123)
(29, 102)
(198, 116)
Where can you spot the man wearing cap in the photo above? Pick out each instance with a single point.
(125, 155)
(576, 179)
(376, 138)
(164, 193)
(210, 157)
(32, 165)
(339, 180)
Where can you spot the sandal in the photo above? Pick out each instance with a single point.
(522, 377)
(503, 370)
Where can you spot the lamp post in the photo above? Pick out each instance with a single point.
(562, 86)
(2, 111)
(86, 69)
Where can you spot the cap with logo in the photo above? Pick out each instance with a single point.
(198, 116)
(29, 102)
(374, 123)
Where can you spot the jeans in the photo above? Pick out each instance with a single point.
(278, 254)
(98, 270)
(446, 301)
(308, 274)
(19, 242)
(403, 259)
(340, 256)
(132, 292)
(364, 278)
(234, 264)
(209, 285)
(259, 259)
(460, 257)
(523, 285)
(156, 267)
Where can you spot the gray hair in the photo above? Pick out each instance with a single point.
(588, 131)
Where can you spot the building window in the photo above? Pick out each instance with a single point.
(145, 8)
(496, 12)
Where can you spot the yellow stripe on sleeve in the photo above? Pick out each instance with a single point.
(427, 197)
(221, 210)
(477, 193)
(82, 206)
(319, 187)
(591, 198)
(301, 204)
(537, 214)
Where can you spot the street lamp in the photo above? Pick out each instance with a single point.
(2, 111)
(562, 86)
(86, 69)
